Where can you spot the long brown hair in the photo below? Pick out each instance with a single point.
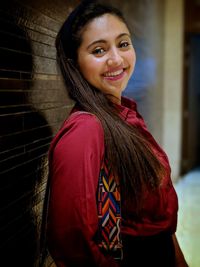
(127, 150)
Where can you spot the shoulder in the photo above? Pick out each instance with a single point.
(80, 129)
(82, 118)
(83, 124)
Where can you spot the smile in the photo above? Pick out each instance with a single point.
(114, 75)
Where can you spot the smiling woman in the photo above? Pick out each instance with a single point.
(111, 200)
(106, 57)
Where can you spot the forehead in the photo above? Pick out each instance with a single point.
(104, 27)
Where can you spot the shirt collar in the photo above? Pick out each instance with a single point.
(126, 105)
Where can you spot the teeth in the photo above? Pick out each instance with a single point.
(113, 74)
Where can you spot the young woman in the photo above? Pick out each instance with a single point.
(111, 202)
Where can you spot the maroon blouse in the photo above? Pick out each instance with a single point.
(75, 158)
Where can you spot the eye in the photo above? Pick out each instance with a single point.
(124, 44)
(99, 51)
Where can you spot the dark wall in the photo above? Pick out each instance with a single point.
(33, 104)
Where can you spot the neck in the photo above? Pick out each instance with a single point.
(114, 99)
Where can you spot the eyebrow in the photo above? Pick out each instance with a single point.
(104, 41)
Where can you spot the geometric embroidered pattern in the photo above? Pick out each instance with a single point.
(109, 214)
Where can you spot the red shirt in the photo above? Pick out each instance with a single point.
(75, 159)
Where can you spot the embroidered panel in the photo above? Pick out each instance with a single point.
(109, 213)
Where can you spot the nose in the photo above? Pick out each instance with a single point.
(114, 57)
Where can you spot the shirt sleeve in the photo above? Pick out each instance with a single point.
(74, 171)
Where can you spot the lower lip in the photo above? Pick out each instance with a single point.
(115, 78)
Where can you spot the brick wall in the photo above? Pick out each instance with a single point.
(33, 104)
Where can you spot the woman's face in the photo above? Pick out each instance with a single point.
(106, 57)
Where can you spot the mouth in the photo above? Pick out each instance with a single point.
(114, 75)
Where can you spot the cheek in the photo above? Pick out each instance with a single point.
(132, 59)
(91, 67)
(95, 62)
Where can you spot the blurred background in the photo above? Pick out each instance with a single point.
(34, 103)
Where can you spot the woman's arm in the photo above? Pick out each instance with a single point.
(180, 259)
(73, 218)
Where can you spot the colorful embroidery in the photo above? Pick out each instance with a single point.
(109, 213)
